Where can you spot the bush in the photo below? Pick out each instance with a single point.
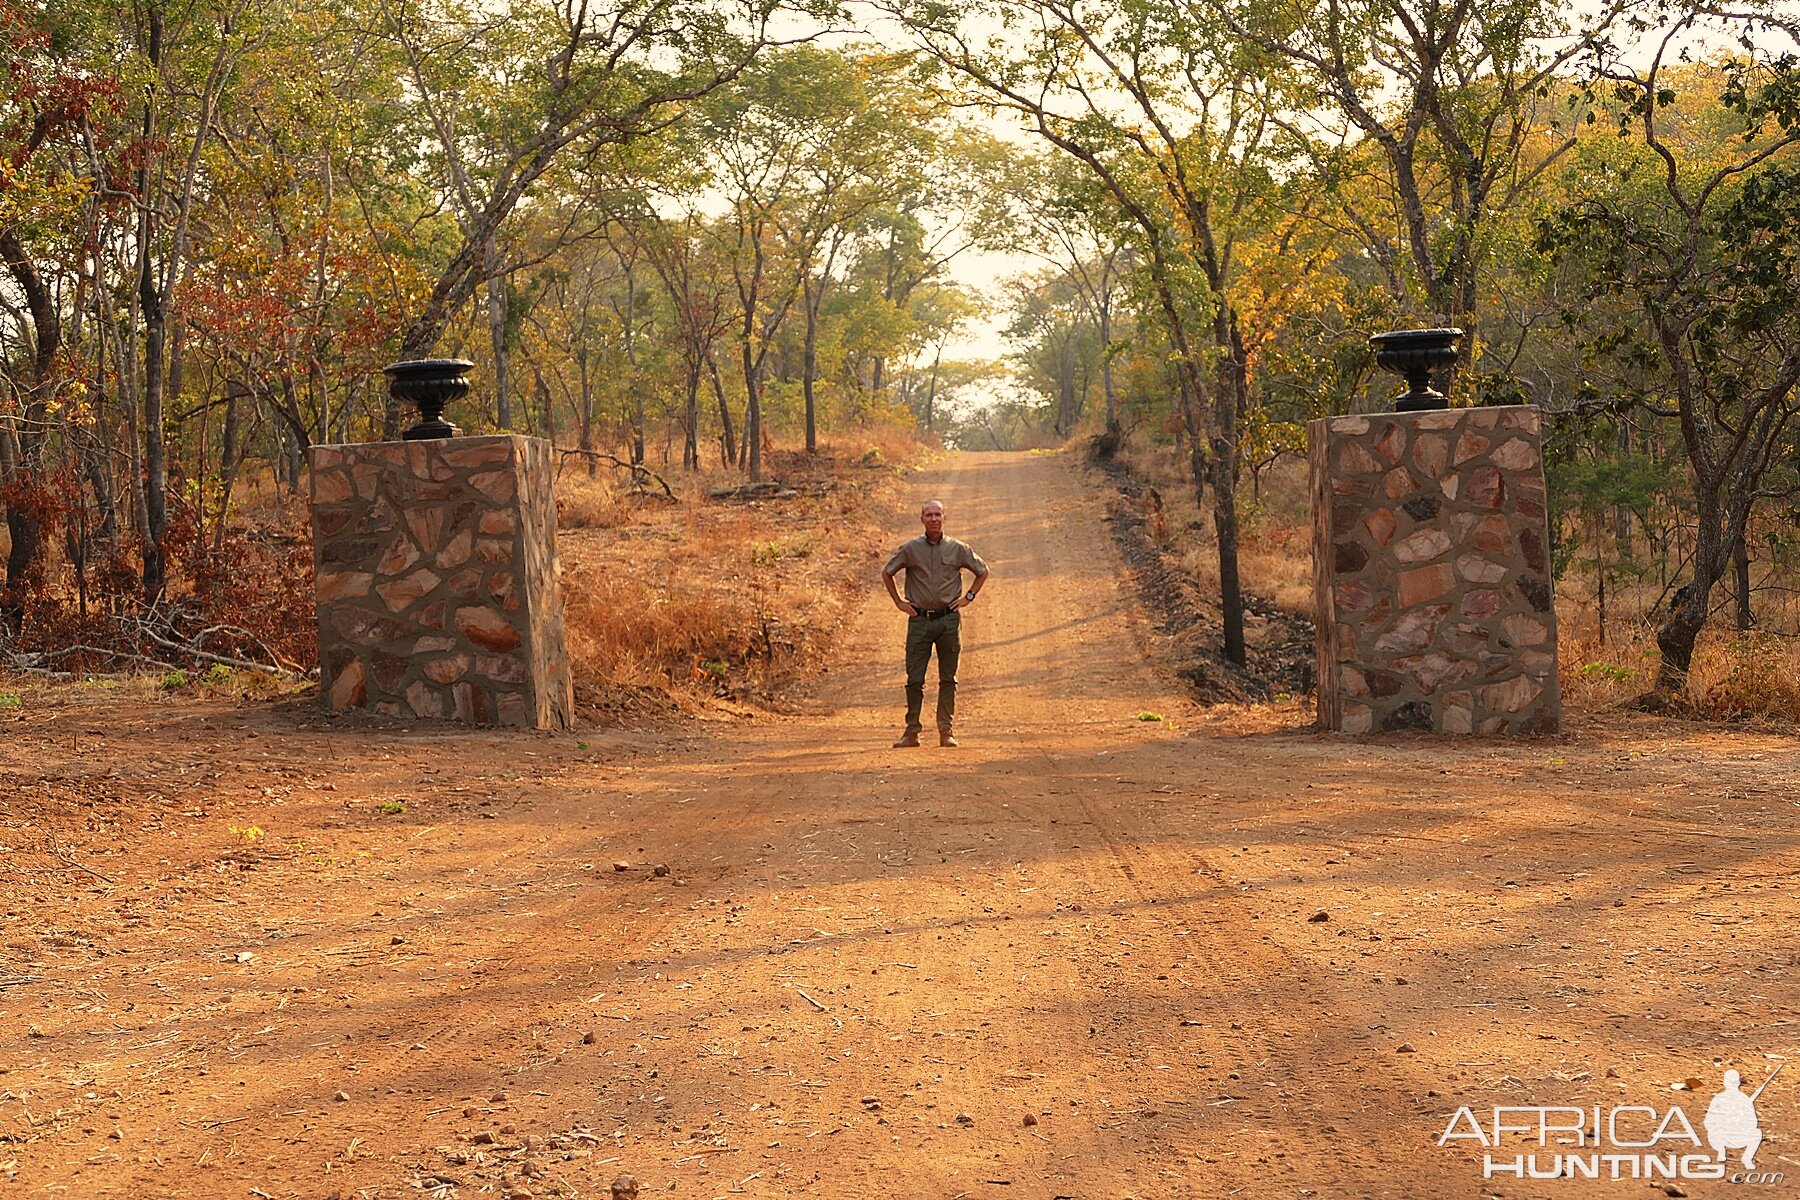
(1760, 679)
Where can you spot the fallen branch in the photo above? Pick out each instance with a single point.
(767, 489)
(192, 648)
(639, 472)
(67, 859)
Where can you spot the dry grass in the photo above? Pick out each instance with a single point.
(705, 600)
(1735, 676)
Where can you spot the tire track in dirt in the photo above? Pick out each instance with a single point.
(1093, 920)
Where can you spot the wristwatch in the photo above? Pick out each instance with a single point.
(969, 595)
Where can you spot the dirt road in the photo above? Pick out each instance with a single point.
(250, 951)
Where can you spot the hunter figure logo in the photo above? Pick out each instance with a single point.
(1631, 1141)
(1731, 1120)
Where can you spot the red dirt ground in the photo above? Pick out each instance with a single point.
(253, 951)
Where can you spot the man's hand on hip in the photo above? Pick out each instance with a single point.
(906, 608)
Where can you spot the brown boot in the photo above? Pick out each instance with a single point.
(909, 738)
(946, 739)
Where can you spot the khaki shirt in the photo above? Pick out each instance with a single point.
(934, 573)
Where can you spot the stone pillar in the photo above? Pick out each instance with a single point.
(437, 581)
(1431, 572)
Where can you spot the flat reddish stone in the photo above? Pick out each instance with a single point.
(1510, 696)
(1381, 525)
(424, 700)
(1413, 630)
(513, 710)
(1491, 536)
(1430, 454)
(1457, 713)
(330, 487)
(1431, 671)
(337, 585)
(1482, 602)
(1470, 445)
(499, 486)
(501, 668)
(465, 453)
(487, 629)
(1516, 455)
(466, 585)
(1422, 584)
(1522, 630)
(1392, 442)
(1421, 545)
(1485, 488)
(1353, 595)
(399, 557)
(1354, 460)
(402, 594)
(1476, 569)
(447, 669)
(456, 552)
(350, 688)
(472, 704)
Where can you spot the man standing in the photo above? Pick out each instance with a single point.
(934, 593)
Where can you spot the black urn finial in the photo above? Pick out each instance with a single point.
(1415, 354)
(429, 384)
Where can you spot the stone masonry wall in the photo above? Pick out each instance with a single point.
(1431, 570)
(436, 580)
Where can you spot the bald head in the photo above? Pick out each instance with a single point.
(931, 515)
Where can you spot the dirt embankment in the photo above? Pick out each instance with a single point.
(1278, 645)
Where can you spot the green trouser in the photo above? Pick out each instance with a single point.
(945, 633)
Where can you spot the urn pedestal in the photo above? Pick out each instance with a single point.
(1431, 572)
(437, 591)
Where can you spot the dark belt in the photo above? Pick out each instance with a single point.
(932, 614)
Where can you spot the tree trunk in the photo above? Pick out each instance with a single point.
(752, 415)
(1106, 367)
(690, 442)
(637, 384)
(496, 314)
(728, 434)
(546, 406)
(155, 482)
(1740, 560)
(810, 363)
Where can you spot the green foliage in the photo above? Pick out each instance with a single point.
(391, 808)
(10, 702)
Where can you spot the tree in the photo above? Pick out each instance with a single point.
(1171, 118)
(505, 95)
(1697, 220)
(48, 217)
(1424, 120)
